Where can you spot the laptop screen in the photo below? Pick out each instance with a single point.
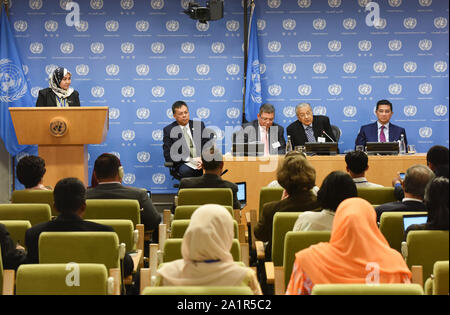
(242, 192)
(414, 219)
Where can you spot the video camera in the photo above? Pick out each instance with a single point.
(213, 11)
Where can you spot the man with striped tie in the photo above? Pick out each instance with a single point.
(382, 130)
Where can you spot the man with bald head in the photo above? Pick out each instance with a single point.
(309, 127)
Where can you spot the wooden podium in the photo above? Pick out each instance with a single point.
(62, 136)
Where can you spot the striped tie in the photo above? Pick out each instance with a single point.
(310, 134)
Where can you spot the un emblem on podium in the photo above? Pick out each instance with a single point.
(58, 127)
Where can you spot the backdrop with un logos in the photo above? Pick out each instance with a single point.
(138, 57)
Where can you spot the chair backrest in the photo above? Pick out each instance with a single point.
(376, 195)
(391, 226)
(179, 227)
(124, 230)
(17, 230)
(440, 281)
(425, 248)
(35, 213)
(295, 242)
(79, 247)
(185, 212)
(336, 132)
(202, 196)
(127, 209)
(62, 279)
(199, 290)
(34, 196)
(283, 222)
(172, 250)
(364, 289)
(268, 194)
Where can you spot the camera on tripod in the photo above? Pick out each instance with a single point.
(213, 11)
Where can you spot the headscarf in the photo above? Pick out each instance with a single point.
(206, 252)
(55, 79)
(356, 247)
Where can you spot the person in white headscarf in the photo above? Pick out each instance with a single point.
(207, 260)
(59, 93)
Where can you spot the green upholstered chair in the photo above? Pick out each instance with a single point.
(377, 195)
(268, 194)
(185, 212)
(364, 289)
(391, 226)
(424, 248)
(34, 196)
(179, 228)
(199, 290)
(63, 279)
(283, 222)
(113, 209)
(172, 250)
(438, 282)
(35, 213)
(124, 229)
(17, 229)
(202, 196)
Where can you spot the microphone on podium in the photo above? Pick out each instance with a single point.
(324, 133)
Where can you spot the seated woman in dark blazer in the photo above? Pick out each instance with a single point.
(59, 94)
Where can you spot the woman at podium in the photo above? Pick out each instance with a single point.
(59, 93)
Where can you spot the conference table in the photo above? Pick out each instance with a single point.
(258, 172)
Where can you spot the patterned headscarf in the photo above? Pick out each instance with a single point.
(54, 81)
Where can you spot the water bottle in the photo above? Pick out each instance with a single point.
(289, 145)
(402, 144)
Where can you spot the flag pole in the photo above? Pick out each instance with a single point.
(244, 120)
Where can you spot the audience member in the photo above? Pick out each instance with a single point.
(30, 171)
(336, 187)
(297, 176)
(416, 179)
(70, 202)
(357, 165)
(212, 164)
(109, 172)
(356, 253)
(13, 255)
(436, 202)
(206, 254)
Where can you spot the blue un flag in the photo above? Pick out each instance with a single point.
(14, 90)
(253, 97)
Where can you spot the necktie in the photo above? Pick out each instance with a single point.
(310, 134)
(382, 136)
(189, 142)
(266, 142)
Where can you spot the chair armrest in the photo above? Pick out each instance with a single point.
(245, 254)
(241, 233)
(404, 250)
(260, 253)
(115, 274)
(137, 259)
(237, 215)
(279, 285)
(8, 282)
(145, 279)
(141, 236)
(417, 275)
(270, 272)
(153, 262)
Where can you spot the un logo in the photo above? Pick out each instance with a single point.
(410, 110)
(380, 24)
(319, 68)
(128, 135)
(304, 89)
(289, 111)
(82, 69)
(158, 91)
(410, 23)
(157, 135)
(274, 46)
(66, 48)
(335, 89)
(112, 26)
(35, 91)
(127, 91)
(233, 69)
(188, 91)
(218, 47)
(425, 3)
(51, 26)
(304, 46)
(262, 68)
(97, 48)
(395, 45)
(159, 178)
(218, 91)
(185, 4)
(143, 156)
(334, 45)
(440, 22)
(142, 26)
(410, 66)
(289, 24)
(173, 69)
(188, 47)
(202, 27)
(25, 69)
(127, 48)
(35, 4)
(425, 44)
(350, 67)
(114, 113)
(142, 69)
(96, 4)
(157, 4)
(13, 84)
(349, 24)
(50, 68)
(350, 111)
(143, 113)
(319, 24)
(202, 69)
(58, 127)
(440, 110)
(261, 24)
(232, 25)
(395, 88)
(363, 3)
(98, 91)
(273, 4)
(425, 132)
(169, 113)
(158, 47)
(365, 89)
(129, 179)
(334, 3)
(83, 26)
(440, 66)
(365, 45)
(233, 112)
(289, 68)
(274, 90)
(20, 26)
(36, 48)
(203, 112)
(395, 3)
(304, 3)
(379, 67)
(425, 88)
(172, 25)
(112, 70)
(127, 4)
(320, 110)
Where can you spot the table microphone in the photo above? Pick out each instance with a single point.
(323, 132)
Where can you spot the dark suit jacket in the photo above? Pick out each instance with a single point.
(250, 133)
(11, 257)
(47, 98)
(66, 223)
(150, 217)
(320, 124)
(211, 181)
(369, 133)
(409, 205)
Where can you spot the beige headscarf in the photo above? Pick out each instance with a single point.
(206, 252)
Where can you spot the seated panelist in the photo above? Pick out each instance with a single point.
(381, 130)
(59, 93)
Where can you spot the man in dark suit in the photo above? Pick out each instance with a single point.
(416, 179)
(263, 130)
(107, 171)
(381, 130)
(70, 201)
(213, 166)
(309, 128)
(183, 142)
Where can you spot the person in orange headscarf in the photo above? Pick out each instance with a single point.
(357, 253)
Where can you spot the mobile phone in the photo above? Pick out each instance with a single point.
(402, 176)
